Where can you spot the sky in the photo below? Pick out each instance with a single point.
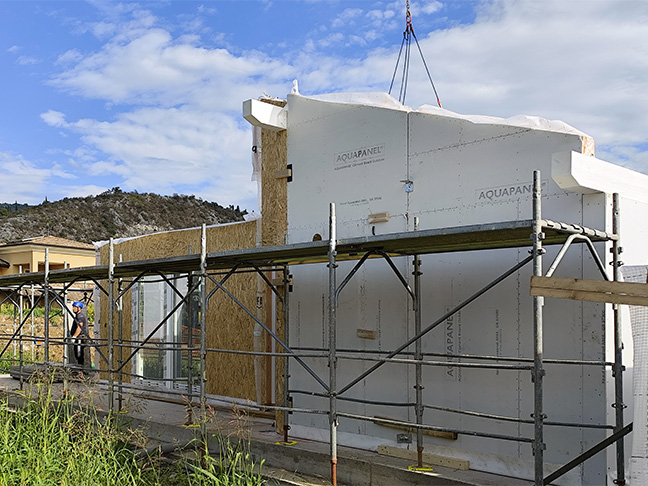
(147, 95)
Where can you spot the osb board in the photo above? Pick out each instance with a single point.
(184, 242)
(229, 327)
(274, 191)
(274, 227)
(126, 334)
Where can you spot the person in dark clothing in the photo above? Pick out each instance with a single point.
(79, 331)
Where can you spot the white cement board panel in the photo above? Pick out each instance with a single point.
(352, 155)
(466, 173)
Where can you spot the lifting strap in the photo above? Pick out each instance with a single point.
(408, 34)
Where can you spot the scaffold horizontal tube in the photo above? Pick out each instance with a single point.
(518, 420)
(438, 429)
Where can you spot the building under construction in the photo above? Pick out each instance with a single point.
(421, 283)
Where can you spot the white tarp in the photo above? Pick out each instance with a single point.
(383, 100)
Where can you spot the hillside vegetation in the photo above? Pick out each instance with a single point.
(113, 213)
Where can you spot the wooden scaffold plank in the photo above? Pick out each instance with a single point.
(629, 293)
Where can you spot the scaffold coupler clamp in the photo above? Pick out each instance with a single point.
(543, 447)
(541, 372)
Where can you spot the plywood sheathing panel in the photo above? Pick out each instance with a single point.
(274, 226)
(228, 326)
(103, 326)
(274, 192)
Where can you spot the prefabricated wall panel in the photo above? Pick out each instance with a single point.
(446, 171)
(228, 326)
(273, 187)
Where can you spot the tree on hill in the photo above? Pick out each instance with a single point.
(113, 213)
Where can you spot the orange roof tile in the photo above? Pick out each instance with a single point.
(51, 241)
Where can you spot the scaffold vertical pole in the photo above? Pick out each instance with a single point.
(203, 330)
(21, 348)
(46, 316)
(286, 308)
(32, 303)
(618, 344)
(111, 324)
(538, 302)
(418, 353)
(333, 420)
(66, 339)
(66, 332)
(190, 338)
(120, 342)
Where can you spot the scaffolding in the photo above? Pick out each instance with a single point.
(117, 278)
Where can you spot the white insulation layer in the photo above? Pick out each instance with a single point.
(638, 473)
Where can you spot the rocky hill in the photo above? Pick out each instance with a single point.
(113, 213)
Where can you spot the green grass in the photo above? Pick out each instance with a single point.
(46, 442)
(8, 360)
(234, 466)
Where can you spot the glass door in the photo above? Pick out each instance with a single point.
(186, 335)
(171, 356)
(149, 309)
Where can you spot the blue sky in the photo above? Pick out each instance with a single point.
(147, 95)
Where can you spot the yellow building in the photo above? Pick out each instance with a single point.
(28, 255)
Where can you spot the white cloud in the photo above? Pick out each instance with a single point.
(103, 29)
(26, 60)
(206, 10)
(154, 69)
(629, 156)
(85, 190)
(331, 40)
(356, 40)
(379, 15)
(24, 180)
(53, 118)
(427, 8)
(158, 150)
(69, 57)
(382, 21)
(347, 17)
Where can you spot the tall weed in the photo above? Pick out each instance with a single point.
(66, 442)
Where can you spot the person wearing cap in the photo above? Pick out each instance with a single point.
(79, 331)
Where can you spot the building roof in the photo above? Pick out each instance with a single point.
(50, 241)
